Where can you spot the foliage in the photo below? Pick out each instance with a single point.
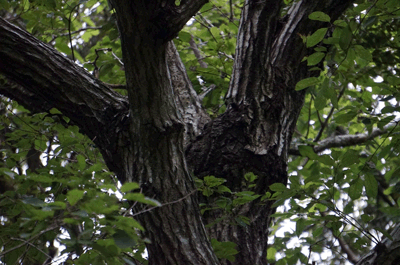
(349, 193)
(73, 199)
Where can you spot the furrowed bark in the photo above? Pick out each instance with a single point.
(42, 78)
(157, 131)
(147, 145)
(189, 104)
(255, 132)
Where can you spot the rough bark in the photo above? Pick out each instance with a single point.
(157, 130)
(144, 140)
(42, 78)
(255, 132)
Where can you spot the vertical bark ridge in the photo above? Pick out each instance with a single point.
(156, 134)
(255, 132)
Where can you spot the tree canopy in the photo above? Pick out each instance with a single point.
(170, 132)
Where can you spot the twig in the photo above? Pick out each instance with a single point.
(168, 203)
(73, 32)
(69, 31)
(27, 241)
(32, 245)
(323, 126)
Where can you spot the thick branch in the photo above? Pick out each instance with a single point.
(44, 79)
(55, 81)
(344, 140)
(289, 50)
(351, 256)
(162, 19)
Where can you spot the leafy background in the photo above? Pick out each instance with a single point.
(59, 199)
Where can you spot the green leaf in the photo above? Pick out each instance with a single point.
(123, 240)
(326, 159)
(307, 151)
(340, 23)
(320, 16)
(185, 36)
(41, 214)
(349, 158)
(51, 4)
(73, 196)
(363, 53)
(383, 122)
(316, 37)
(307, 82)
(271, 252)
(250, 177)
(346, 117)
(215, 32)
(320, 102)
(224, 250)
(223, 188)
(33, 201)
(300, 225)
(81, 161)
(129, 186)
(139, 197)
(54, 111)
(355, 190)
(345, 38)
(315, 58)
(317, 232)
(278, 187)
(366, 218)
(371, 186)
(211, 181)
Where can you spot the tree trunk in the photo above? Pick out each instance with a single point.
(156, 130)
(255, 132)
(146, 140)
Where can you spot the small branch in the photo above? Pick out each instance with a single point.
(206, 91)
(168, 203)
(32, 245)
(28, 241)
(73, 32)
(323, 126)
(115, 86)
(351, 256)
(69, 32)
(196, 52)
(96, 70)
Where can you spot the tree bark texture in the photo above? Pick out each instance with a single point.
(160, 132)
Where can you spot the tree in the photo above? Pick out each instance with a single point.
(158, 140)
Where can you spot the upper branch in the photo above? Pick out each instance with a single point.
(288, 47)
(346, 140)
(161, 19)
(269, 45)
(257, 28)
